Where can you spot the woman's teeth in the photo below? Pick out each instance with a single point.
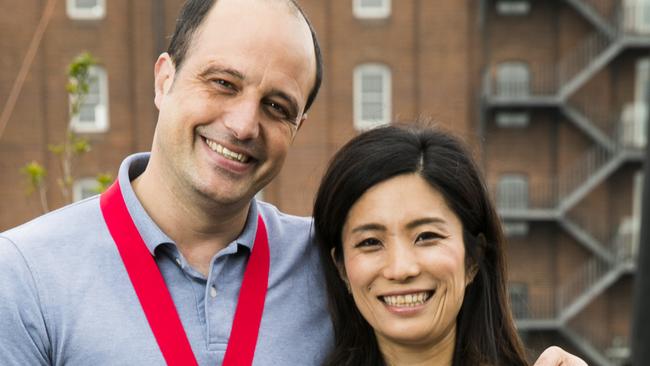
(223, 151)
(414, 299)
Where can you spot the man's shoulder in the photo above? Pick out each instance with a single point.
(284, 221)
(69, 223)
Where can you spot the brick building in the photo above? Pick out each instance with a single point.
(551, 95)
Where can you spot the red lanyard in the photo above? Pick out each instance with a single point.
(157, 303)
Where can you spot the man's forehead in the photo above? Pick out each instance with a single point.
(290, 6)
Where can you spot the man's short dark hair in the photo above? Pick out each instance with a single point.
(192, 15)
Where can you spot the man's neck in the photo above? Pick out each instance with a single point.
(199, 230)
(441, 353)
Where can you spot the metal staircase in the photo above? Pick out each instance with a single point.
(617, 139)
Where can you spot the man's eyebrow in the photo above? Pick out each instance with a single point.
(213, 69)
(293, 103)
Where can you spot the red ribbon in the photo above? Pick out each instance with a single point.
(157, 303)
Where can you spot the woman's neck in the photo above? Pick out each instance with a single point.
(440, 353)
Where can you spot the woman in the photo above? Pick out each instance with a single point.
(413, 254)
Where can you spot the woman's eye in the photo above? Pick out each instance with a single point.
(368, 243)
(427, 235)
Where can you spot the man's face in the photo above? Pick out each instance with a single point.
(230, 112)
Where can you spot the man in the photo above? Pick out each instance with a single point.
(232, 92)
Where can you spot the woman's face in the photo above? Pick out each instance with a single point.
(405, 262)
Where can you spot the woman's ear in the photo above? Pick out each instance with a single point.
(340, 267)
(474, 265)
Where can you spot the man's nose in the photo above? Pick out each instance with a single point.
(401, 263)
(243, 119)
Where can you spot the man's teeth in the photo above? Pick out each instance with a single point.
(407, 300)
(225, 152)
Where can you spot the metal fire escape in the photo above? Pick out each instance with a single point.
(616, 140)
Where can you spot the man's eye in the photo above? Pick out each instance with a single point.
(277, 110)
(427, 236)
(224, 83)
(368, 243)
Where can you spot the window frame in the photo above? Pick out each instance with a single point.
(379, 12)
(510, 7)
(361, 124)
(512, 119)
(95, 13)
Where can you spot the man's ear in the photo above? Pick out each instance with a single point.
(164, 72)
(340, 267)
(303, 119)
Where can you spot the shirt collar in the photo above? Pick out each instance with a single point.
(151, 234)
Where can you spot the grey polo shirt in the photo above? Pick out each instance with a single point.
(66, 299)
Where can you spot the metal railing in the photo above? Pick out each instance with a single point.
(539, 194)
(582, 169)
(579, 58)
(541, 81)
(538, 303)
(624, 246)
(605, 8)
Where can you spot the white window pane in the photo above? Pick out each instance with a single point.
(86, 9)
(372, 3)
(93, 111)
(515, 229)
(371, 8)
(512, 119)
(87, 113)
(84, 188)
(513, 7)
(372, 96)
(86, 4)
(513, 79)
(372, 112)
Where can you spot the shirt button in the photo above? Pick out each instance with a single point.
(178, 260)
(213, 292)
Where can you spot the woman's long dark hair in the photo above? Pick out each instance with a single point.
(485, 332)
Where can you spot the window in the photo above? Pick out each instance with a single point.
(86, 9)
(513, 7)
(84, 188)
(512, 119)
(637, 16)
(372, 96)
(513, 229)
(518, 299)
(513, 79)
(371, 8)
(93, 112)
(512, 192)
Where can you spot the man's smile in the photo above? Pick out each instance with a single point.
(225, 152)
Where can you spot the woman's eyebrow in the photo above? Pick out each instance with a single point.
(425, 221)
(368, 227)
